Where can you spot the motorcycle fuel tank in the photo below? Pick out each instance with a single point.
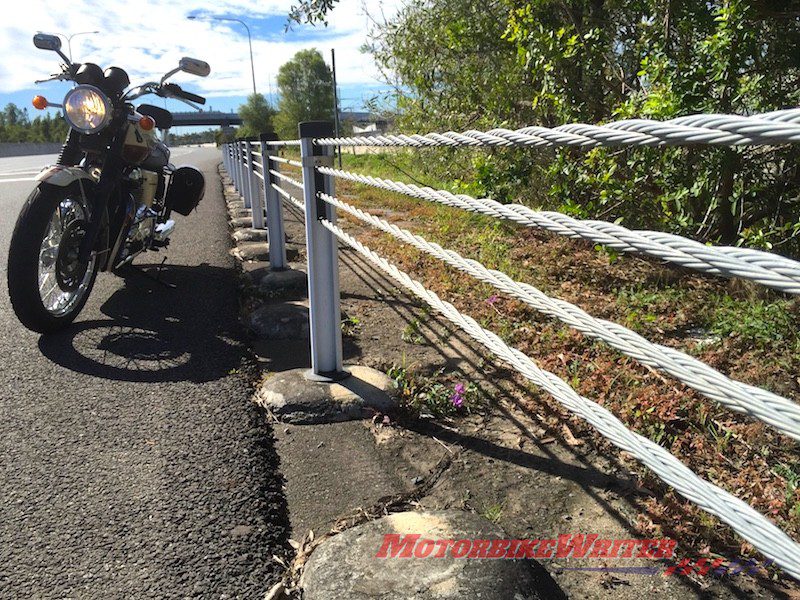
(140, 143)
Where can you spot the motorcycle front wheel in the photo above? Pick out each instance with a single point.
(47, 284)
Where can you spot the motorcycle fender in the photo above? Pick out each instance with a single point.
(62, 176)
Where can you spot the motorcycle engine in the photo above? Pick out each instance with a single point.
(144, 193)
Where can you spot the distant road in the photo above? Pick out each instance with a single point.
(24, 168)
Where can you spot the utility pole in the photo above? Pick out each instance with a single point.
(335, 106)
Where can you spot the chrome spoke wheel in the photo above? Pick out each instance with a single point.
(63, 281)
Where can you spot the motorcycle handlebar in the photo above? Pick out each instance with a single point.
(175, 90)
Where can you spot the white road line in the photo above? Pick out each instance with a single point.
(23, 171)
(16, 180)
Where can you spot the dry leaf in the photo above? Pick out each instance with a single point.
(569, 437)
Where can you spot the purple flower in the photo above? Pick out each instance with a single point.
(458, 395)
(492, 299)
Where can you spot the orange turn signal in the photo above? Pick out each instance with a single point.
(147, 123)
(39, 102)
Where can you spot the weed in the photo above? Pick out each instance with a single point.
(412, 334)
(611, 255)
(792, 477)
(351, 326)
(432, 395)
(493, 513)
(755, 321)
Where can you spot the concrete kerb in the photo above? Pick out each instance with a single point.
(294, 398)
(291, 395)
(347, 565)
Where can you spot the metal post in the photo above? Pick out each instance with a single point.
(247, 180)
(237, 149)
(239, 167)
(323, 258)
(240, 170)
(275, 231)
(254, 196)
(233, 165)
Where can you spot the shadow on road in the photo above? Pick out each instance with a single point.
(157, 334)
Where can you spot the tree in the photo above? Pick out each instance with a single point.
(16, 126)
(311, 12)
(473, 64)
(306, 90)
(256, 115)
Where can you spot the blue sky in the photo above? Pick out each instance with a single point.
(148, 37)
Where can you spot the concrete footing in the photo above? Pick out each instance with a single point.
(293, 398)
(240, 213)
(347, 565)
(251, 251)
(246, 234)
(278, 282)
(238, 222)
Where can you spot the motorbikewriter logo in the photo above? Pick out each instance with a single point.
(570, 546)
(565, 546)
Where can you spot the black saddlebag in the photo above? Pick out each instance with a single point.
(185, 191)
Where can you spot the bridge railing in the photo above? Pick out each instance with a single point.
(323, 233)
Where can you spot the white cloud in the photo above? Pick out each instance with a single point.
(147, 37)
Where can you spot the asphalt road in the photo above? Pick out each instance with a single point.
(133, 463)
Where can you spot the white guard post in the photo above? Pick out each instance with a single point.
(275, 231)
(234, 166)
(239, 168)
(247, 175)
(256, 198)
(323, 258)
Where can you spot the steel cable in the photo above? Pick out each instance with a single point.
(765, 268)
(746, 521)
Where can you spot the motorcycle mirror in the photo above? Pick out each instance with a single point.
(45, 41)
(194, 66)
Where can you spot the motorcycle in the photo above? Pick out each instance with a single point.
(108, 198)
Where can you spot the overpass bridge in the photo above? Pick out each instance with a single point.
(214, 117)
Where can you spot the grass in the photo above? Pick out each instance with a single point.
(412, 333)
(493, 512)
(757, 321)
(791, 473)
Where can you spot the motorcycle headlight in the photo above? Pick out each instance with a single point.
(87, 109)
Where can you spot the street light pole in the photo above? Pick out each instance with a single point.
(69, 39)
(249, 39)
(335, 104)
